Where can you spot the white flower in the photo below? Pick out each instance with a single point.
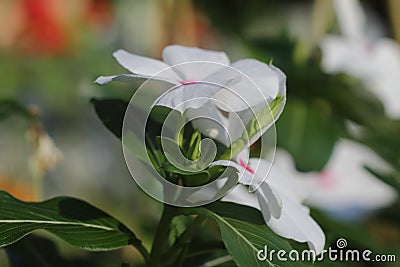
(194, 71)
(224, 114)
(46, 155)
(279, 198)
(198, 79)
(375, 61)
(345, 185)
(276, 195)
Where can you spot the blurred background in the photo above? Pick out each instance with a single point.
(339, 133)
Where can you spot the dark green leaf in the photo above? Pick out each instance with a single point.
(75, 221)
(393, 180)
(243, 233)
(35, 251)
(111, 112)
(10, 107)
(261, 120)
(308, 134)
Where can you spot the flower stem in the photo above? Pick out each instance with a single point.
(160, 241)
(185, 237)
(37, 183)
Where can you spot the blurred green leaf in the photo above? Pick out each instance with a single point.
(75, 221)
(111, 112)
(308, 134)
(11, 107)
(391, 179)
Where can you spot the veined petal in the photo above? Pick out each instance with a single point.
(296, 223)
(146, 66)
(257, 83)
(177, 54)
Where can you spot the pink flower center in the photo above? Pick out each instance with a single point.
(327, 179)
(244, 165)
(187, 82)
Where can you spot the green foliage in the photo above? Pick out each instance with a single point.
(244, 233)
(74, 221)
(260, 120)
(11, 107)
(308, 134)
(111, 112)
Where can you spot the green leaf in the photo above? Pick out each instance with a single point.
(74, 221)
(308, 134)
(10, 107)
(243, 233)
(194, 146)
(392, 180)
(111, 113)
(35, 251)
(262, 119)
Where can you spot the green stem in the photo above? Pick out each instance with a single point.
(37, 183)
(218, 261)
(185, 237)
(160, 241)
(181, 257)
(143, 251)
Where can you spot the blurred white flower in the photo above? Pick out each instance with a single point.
(345, 183)
(344, 187)
(46, 155)
(375, 61)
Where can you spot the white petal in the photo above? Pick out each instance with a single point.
(262, 169)
(385, 82)
(256, 83)
(243, 174)
(187, 96)
(176, 54)
(351, 17)
(209, 121)
(346, 185)
(240, 195)
(354, 57)
(335, 53)
(125, 78)
(282, 175)
(270, 202)
(296, 223)
(146, 66)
